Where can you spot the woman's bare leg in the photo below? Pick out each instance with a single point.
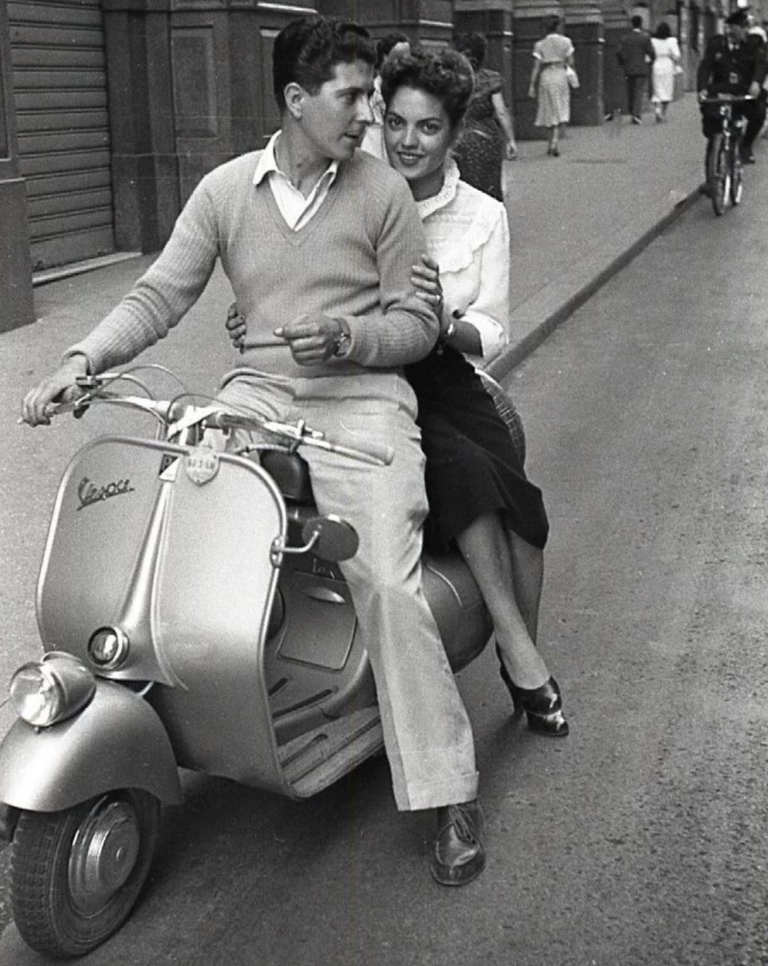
(486, 548)
(528, 577)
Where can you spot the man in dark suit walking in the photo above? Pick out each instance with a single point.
(635, 55)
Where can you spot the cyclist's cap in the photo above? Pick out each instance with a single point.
(737, 19)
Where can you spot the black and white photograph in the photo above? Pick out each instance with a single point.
(384, 539)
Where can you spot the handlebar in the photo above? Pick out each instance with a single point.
(299, 434)
(727, 99)
(176, 416)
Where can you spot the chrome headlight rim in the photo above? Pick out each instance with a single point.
(121, 643)
(49, 691)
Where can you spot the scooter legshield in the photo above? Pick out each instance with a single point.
(186, 565)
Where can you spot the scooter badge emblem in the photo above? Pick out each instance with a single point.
(201, 465)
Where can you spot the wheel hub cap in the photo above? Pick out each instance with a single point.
(104, 853)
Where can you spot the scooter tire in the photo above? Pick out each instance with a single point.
(76, 874)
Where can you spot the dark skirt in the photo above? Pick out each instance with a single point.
(472, 466)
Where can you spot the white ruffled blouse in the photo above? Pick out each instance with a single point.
(468, 236)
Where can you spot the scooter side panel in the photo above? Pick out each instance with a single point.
(116, 741)
(458, 607)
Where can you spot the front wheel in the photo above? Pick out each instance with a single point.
(76, 874)
(718, 177)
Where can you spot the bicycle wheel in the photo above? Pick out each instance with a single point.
(737, 181)
(718, 177)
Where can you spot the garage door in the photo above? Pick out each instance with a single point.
(60, 93)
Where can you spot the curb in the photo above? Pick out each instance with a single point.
(542, 313)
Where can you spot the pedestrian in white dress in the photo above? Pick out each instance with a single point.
(665, 66)
(551, 57)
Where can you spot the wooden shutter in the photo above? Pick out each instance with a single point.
(60, 92)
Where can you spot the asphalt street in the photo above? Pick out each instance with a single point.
(638, 840)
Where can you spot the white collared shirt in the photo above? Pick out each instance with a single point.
(294, 207)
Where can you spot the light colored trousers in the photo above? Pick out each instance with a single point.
(427, 733)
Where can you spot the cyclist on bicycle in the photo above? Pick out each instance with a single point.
(733, 63)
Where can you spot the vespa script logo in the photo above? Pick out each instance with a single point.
(89, 493)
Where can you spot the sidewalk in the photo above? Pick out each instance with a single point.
(574, 220)
(577, 219)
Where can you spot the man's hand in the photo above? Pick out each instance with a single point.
(425, 279)
(60, 386)
(236, 327)
(754, 89)
(313, 339)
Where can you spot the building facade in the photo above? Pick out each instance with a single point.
(112, 110)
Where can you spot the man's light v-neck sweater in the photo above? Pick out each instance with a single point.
(352, 260)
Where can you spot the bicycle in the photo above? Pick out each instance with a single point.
(724, 167)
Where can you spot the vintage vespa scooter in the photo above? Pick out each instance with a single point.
(192, 613)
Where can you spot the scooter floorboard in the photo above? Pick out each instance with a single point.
(321, 756)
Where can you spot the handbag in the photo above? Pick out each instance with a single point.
(572, 77)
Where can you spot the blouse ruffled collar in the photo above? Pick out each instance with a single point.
(445, 195)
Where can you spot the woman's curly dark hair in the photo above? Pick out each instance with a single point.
(446, 74)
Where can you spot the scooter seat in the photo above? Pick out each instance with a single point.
(291, 473)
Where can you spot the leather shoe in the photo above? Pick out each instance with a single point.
(747, 156)
(458, 856)
(543, 706)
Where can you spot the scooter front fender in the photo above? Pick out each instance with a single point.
(116, 741)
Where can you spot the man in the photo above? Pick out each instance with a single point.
(635, 55)
(318, 241)
(733, 63)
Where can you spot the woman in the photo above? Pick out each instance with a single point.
(478, 493)
(665, 66)
(551, 57)
(488, 135)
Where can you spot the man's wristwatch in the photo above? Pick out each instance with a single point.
(341, 344)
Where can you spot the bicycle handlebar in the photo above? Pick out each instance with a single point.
(727, 99)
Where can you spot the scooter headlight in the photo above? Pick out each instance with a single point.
(108, 648)
(46, 692)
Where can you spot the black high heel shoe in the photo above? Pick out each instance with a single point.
(543, 706)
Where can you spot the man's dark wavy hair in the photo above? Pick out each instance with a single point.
(307, 50)
(446, 74)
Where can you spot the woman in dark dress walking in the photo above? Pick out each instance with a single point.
(488, 134)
